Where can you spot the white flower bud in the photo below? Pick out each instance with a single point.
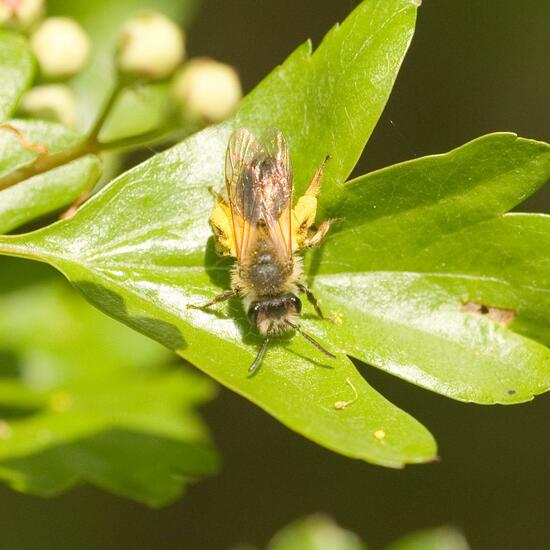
(20, 13)
(151, 46)
(61, 47)
(52, 101)
(207, 90)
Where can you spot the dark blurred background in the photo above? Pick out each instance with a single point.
(474, 67)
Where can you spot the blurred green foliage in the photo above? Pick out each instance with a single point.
(85, 399)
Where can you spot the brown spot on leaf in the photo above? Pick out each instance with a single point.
(500, 315)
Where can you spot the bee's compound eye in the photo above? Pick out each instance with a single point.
(296, 302)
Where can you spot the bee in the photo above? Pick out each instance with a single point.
(256, 224)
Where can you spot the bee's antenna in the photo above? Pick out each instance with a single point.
(310, 339)
(252, 369)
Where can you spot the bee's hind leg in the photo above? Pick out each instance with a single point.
(222, 297)
(311, 299)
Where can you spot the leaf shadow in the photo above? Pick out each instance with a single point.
(10, 365)
(315, 362)
(114, 305)
(218, 268)
(314, 264)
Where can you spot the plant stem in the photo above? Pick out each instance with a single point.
(132, 141)
(91, 145)
(54, 160)
(48, 162)
(105, 111)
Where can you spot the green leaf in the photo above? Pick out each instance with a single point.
(416, 203)
(47, 192)
(16, 71)
(138, 249)
(433, 240)
(442, 538)
(330, 102)
(52, 191)
(84, 399)
(315, 533)
(414, 326)
(102, 20)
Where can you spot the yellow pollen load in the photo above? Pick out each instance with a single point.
(303, 217)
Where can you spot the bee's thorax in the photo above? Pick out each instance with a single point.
(265, 275)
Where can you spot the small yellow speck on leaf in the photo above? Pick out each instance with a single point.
(337, 318)
(379, 434)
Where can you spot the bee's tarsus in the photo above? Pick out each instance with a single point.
(310, 339)
(254, 367)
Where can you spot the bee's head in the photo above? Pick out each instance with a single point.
(270, 315)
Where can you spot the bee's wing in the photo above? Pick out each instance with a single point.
(278, 192)
(259, 188)
(241, 152)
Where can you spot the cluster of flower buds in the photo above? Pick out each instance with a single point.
(151, 47)
(20, 14)
(61, 48)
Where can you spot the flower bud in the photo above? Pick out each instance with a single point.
(150, 46)
(207, 90)
(20, 14)
(52, 101)
(61, 47)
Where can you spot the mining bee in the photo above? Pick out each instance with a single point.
(256, 224)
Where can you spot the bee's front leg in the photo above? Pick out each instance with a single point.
(311, 299)
(217, 299)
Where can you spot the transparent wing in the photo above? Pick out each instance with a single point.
(279, 219)
(259, 188)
